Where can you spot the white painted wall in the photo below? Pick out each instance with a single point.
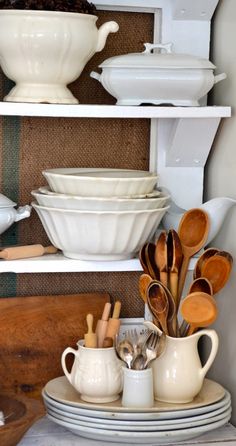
(220, 180)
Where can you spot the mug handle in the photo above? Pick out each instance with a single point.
(214, 347)
(63, 361)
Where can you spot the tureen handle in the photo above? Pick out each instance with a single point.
(164, 46)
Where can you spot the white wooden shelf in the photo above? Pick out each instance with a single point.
(111, 111)
(57, 263)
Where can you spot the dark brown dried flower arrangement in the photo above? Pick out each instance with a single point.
(80, 6)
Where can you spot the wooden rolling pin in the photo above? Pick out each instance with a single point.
(102, 323)
(113, 325)
(22, 252)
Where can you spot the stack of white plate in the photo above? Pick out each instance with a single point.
(162, 423)
(100, 214)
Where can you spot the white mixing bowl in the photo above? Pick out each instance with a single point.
(88, 235)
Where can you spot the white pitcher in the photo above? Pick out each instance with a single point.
(96, 373)
(178, 373)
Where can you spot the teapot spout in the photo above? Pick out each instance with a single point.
(104, 30)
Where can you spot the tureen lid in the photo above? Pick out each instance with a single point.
(6, 202)
(167, 59)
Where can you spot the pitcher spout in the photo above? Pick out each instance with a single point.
(104, 30)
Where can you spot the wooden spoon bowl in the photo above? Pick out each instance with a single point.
(201, 284)
(158, 303)
(144, 282)
(217, 270)
(205, 255)
(198, 310)
(193, 232)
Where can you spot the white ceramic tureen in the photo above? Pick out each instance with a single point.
(10, 215)
(43, 51)
(157, 77)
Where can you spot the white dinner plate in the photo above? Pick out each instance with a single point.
(163, 437)
(61, 390)
(138, 416)
(134, 427)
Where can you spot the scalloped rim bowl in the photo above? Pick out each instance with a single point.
(100, 182)
(74, 202)
(93, 235)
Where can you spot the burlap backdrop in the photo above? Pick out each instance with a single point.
(30, 145)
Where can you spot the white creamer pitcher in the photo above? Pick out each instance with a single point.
(178, 373)
(96, 373)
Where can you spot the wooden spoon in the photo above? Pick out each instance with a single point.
(173, 328)
(201, 284)
(217, 270)
(175, 258)
(142, 259)
(205, 255)
(150, 260)
(198, 310)
(158, 303)
(144, 282)
(161, 257)
(193, 232)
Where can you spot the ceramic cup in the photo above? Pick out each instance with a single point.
(96, 373)
(137, 388)
(178, 373)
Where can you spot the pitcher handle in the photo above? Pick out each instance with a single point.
(63, 361)
(214, 347)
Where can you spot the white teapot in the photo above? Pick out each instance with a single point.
(8, 213)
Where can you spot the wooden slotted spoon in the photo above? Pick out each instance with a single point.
(193, 232)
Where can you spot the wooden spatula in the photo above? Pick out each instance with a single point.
(90, 338)
(175, 258)
(161, 257)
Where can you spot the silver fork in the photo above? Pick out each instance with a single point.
(154, 347)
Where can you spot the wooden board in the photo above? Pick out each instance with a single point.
(35, 330)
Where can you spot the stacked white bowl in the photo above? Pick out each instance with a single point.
(99, 214)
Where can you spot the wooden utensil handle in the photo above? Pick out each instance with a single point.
(183, 272)
(116, 311)
(106, 311)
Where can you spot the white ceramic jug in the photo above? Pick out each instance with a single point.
(96, 373)
(178, 373)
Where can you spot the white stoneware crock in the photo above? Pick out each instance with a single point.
(43, 51)
(10, 215)
(157, 78)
